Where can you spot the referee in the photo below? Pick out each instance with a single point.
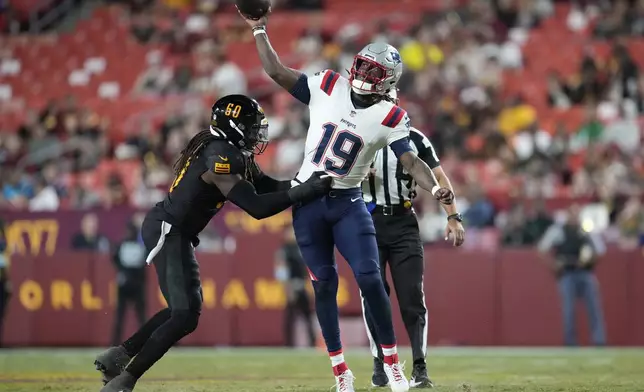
(388, 193)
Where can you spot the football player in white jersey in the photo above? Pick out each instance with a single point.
(351, 120)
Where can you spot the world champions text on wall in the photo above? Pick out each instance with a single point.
(61, 295)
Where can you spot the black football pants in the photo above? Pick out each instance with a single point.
(400, 247)
(178, 276)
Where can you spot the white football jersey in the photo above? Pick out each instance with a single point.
(343, 140)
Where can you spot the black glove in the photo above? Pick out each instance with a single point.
(317, 185)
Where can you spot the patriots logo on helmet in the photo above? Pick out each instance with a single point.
(396, 57)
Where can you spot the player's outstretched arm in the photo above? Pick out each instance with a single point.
(244, 195)
(281, 74)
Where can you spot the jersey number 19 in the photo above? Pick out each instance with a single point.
(345, 146)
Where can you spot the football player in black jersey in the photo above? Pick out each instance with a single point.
(216, 166)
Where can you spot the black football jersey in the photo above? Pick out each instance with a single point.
(191, 203)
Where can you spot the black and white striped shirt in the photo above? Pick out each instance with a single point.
(392, 184)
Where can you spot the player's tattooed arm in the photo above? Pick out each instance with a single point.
(424, 177)
(444, 182)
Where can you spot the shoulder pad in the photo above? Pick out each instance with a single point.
(328, 81)
(223, 158)
(396, 114)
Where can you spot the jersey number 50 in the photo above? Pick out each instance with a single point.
(344, 145)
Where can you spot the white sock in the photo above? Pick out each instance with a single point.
(389, 351)
(337, 359)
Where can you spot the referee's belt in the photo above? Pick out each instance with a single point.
(396, 209)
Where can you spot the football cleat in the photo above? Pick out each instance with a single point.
(111, 363)
(419, 378)
(344, 382)
(394, 371)
(379, 377)
(124, 382)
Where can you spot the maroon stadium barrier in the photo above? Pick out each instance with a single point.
(507, 297)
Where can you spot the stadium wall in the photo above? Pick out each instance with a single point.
(499, 297)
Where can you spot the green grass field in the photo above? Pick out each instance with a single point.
(266, 370)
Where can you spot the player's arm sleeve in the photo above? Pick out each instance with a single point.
(227, 168)
(301, 90)
(398, 138)
(426, 150)
(308, 88)
(259, 206)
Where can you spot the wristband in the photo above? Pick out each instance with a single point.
(258, 30)
(435, 189)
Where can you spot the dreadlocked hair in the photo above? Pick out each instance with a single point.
(192, 149)
(388, 98)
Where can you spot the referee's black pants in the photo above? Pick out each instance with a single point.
(400, 247)
(178, 274)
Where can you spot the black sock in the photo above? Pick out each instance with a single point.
(135, 343)
(180, 324)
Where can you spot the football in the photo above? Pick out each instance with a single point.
(253, 9)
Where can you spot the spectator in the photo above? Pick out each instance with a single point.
(181, 79)
(630, 221)
(589, 86)
(42, 142)
(480, 212)
(89, 237)
(227, 77)
(635, 19)
(156, 78)
(577, 20)
(26, 130)
(421, 50)
(532, 143)
(538, 221)
(611, 24)
(17, 190)
(624, 132)
(143, 28)
(558, 92)
(45, 197)
(516, 116)
(116, 194)
(514, 233)
(10, 148)
(589, 133)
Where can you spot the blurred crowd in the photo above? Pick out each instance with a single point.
(453, 89)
